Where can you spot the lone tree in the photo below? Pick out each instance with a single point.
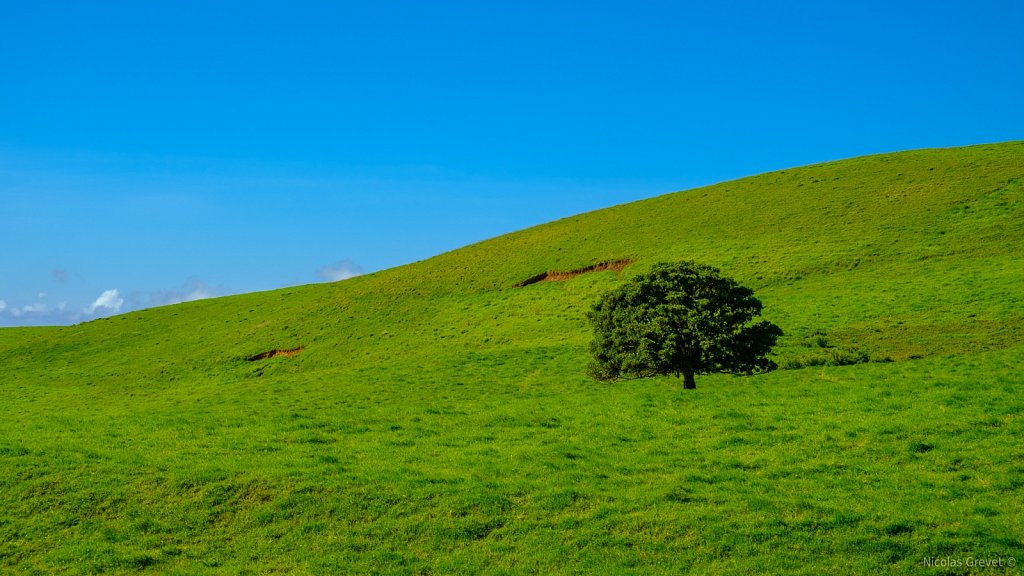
(681, 318)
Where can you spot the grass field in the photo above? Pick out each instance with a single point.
(434, 419)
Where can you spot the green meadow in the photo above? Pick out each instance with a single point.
(436, 419)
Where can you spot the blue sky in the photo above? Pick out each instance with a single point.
(154, 152)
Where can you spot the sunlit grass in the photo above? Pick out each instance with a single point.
(438, 420)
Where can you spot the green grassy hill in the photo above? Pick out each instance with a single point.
(436, 419)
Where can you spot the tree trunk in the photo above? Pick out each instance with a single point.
(688, 382)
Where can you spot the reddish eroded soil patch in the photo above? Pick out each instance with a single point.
(553, 276)
(274, 354)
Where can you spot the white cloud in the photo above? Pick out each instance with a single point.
(34, 313)
(41, 313)
(341, 270)
(110, 300)
(194, 289)
(62, 312)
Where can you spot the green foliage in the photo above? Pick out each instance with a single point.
(681, 319)
(436, 420)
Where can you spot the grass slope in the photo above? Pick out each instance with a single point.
(437, 420)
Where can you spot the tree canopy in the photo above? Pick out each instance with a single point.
(683, 319)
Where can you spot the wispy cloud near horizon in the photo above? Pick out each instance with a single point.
(340, 270)
(43, 313)
(193, 289)
(113, 301)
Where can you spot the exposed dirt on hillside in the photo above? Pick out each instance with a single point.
(557, 276)
(274, 354)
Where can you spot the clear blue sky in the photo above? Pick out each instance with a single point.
(156, 151)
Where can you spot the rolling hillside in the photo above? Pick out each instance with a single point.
(435, 418)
